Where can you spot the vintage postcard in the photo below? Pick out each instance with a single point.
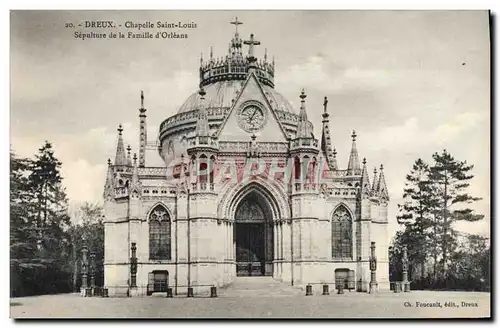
(250, 164)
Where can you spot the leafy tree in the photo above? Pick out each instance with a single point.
(87, 230)
(416, 215)
(395, 257)
(22, 234)
(451, 178)
(49, 204)
(434, 198)
(38, 222)
(470, 263)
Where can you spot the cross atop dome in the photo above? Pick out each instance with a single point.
(251, 43)
(236, 65)
(236, 22)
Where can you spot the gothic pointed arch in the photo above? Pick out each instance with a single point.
(160, 233)
(270, 190)
(341, 225)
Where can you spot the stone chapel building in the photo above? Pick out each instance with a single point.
(245, 189)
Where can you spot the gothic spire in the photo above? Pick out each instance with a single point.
(326, 144)
(135, 173)
(381, 186)
(109, 184)
(120, 158)
(365, 180)
(129, 158)
(143, 133)
(303, 129)
(334, 165)
(202, 127)
(375, 179)
(353, 167)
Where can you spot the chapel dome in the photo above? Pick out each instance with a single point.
(221, 94)
(223, 77)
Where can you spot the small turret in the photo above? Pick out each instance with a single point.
(135, 172)
(129, 158)
(353, 167)
(365, 180)
(326, 144)
(143, 134)
(334, 165)
(381, 186)
(375, 182)
(121, 158)
(110, 181)
(303, 127)
(202, 127)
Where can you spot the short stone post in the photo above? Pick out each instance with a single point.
(326, 290)
(309, 290)
(213, 291)
(84, 270)
(340, 286)
(373, 269)
(406, 283)
(397, 287)
(190, 292)
(169, 292)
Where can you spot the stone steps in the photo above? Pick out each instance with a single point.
(258, 287)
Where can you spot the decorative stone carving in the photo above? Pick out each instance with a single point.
(373, 269)
(160, 214)
(336, 174)
(249, 212)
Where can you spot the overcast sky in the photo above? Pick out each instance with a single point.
(409, 83)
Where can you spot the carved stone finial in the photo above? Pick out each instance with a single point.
(303, 94)
(120, 129)
(325, 104)
(353, 135)
(364, 160)
(202, 92)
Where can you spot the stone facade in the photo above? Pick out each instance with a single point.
(183, 217)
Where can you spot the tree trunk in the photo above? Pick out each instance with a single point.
(75, 264)
(422, 269)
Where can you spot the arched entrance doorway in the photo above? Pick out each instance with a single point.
(253, 234)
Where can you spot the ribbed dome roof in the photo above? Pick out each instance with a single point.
(220, 95)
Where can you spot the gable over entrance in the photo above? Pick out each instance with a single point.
(251, 114)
